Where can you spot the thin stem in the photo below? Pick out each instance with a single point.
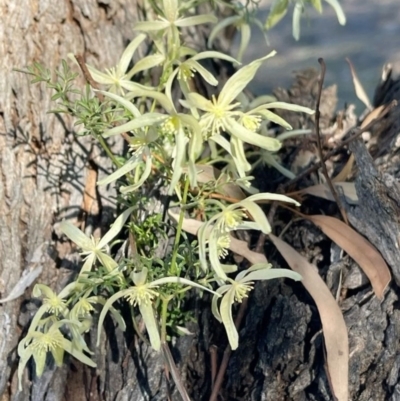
(104, 145)
(164, 312)
(179, 228)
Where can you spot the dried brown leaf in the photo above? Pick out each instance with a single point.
(237, 246)
(374, 114)
(322, 191)
(346, 170)
(360, 92)
(207, 173)
(333, 325)
(361, 250)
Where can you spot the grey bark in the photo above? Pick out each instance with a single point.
(44, 166)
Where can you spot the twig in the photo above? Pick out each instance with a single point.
(356, 132)
(319, 142)
(227, 353)
(88, 77)
(214, 363)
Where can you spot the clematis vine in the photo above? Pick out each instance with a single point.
(215, 232)
(238, 289)
(94, 248)
(223, 114)
(142, 294)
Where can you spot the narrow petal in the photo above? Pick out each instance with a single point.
(258, 215)
(206, 75)
(200, 102)
(89, 262)
(105, 309)
(148, 26)
(270, 116)
(107, 261)
(143, 178)
(128, 54)
(221, 26)
(339, 11)
(245, 34)
(130, 165)
(286, 106)
(161, 98)
(214, 303)
(213, 256)
(100, 77)
(168, 85)
(214, 54)
(149, 320)
(140, 122)
(197, 20)
(76, 235)
(269, 274)
(227, 320)
(39, 357)
(124, 102)
(146, 64)
(239, 80)
(183, 281)
(273, 197)
(250, 137)
(297, 12)
(115, 228)
(238, 153)
(170, 9)
(79, 355)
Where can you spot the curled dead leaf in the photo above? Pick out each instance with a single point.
(361, 250)
(333, 324)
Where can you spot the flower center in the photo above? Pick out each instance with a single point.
(141, 294)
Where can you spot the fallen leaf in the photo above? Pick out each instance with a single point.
(333, 325)
(362, 251)
(375, 113)
(360, 92)
(237, 246)
(322, 191)
(346, 170)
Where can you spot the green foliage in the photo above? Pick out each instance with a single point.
(176, 142)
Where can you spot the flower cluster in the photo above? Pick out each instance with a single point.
(172, 133)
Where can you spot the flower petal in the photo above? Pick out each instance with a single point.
(197, 20)
(142, 121)
(227, 320)
(251, 137)
(128, 54)
(124, 102)
(146, 64)
(147, 312)
(115, 228)
(76, 235)
(239, 80)
(105, 309)
(269, 274)
(148, 26)
(143, 178)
